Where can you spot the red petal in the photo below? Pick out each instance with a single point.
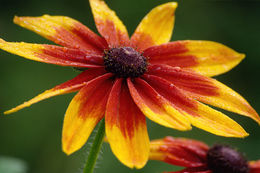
(126, 127)
(76, 56)
(205, 89)
(196, 147)
(179, 151)
(67, 87)
(205, 57)
(254, 166)
(156, 27)
(108, 24)
(53, 54)
(64, 31)
(155, 106)
(184, 79)
(170, 54)
(199, 114)
(86, 109)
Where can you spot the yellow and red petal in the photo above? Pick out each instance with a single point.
(254, 166)
(205, 89)
(199, 114)
(126, 127)
(64, 31)
(156, 27)
(86, 109)
(155, 107)
(108, 24)
(53, 54)
(70, 86)
(179, 151)
(205, 57)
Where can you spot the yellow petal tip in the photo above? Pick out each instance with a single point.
(132, 165)
(243, 134)
(2, 43)
(188, 128)
(13, 110)
(19, 107)
(1, 40)
(7, 112)
(67, 150)
(168, 6)
(241, 56)
(173, 4)
(16, 19)
(255, 117)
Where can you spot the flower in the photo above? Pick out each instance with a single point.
(197, 157)
(127, 79)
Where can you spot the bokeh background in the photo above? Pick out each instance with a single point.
(30, 140)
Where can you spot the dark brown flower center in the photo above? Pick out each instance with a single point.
(223, 159)
(125, 62)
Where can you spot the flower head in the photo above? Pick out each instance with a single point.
(127, 79)
(197, 157)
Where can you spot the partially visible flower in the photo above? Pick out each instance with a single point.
(127, 79)
(198, 157)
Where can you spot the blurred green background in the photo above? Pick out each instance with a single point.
(33, 135)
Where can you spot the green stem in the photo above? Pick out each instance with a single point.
(96, 146)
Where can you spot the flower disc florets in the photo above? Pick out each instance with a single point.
(223, 159)
(125, 62)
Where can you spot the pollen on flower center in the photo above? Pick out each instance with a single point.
(125, 62)
(223, 159)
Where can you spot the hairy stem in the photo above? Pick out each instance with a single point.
(96, 146)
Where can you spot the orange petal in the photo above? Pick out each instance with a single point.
(126, 127)
(254, 166)
(199, 114)
(156, 27)
(206, 57)
(67, 87)
(108, 24)
(64, 31)
(86, 109)
(53, 54)
(179, 151)
(206, 90)
(155, 107)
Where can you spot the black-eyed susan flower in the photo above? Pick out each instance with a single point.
(127, 79)
(198, 157)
